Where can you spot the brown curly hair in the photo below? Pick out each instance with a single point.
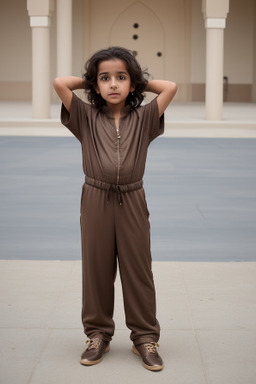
(138, 76)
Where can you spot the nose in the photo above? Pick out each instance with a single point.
(113, 83)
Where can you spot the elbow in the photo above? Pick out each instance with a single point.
(173, 87)
(56, 83)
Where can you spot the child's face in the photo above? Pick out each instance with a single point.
(114, 82)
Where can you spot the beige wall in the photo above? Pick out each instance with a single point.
(16, 53)
(183, 43)
(80, 19)
(15, 41)
(174, 17)
(238, 51)
(15, 48)
(238, 59)
(198, 43)
(254, 58)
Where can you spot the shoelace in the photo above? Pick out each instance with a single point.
(93, 343)
(151, 347)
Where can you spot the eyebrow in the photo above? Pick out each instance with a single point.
(106, 73)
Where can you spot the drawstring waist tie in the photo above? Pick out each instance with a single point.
(119, 189)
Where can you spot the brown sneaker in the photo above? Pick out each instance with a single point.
(150, 357)
(94, 353)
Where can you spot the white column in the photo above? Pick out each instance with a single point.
(40, 66)
(64, 37)
(214, 67)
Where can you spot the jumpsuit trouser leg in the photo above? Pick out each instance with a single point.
(99, 263)
(134, 257)
(109, 230)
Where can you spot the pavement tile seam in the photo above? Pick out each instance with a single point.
(44, 346)
(229, 357)
(118, 363)
(203, 368)
(175, 353)
(62, 293)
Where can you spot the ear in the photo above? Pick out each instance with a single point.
(132, 89)
(97, 89)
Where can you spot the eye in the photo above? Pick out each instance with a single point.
(122, 77)
(104, 78)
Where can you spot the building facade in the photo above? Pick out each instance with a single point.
(205, 46)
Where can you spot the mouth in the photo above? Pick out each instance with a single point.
(114, 94)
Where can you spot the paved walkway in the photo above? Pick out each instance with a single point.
(206, 310)
(201, 194)
(181, 120)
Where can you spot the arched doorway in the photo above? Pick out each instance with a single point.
(138, 29)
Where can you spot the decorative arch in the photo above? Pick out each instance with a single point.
(139, 29)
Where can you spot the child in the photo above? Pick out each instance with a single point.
(115, 132)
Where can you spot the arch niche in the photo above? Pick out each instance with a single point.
(139, 29)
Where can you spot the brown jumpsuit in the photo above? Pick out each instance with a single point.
(114, 216)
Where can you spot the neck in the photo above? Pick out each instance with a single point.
(116, 109)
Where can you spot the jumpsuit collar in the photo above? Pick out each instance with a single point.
(109, 113)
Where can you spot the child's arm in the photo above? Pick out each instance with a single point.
(64, 87)
(165, 90)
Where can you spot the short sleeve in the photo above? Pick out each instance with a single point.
(77, 119)
(154, 124)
